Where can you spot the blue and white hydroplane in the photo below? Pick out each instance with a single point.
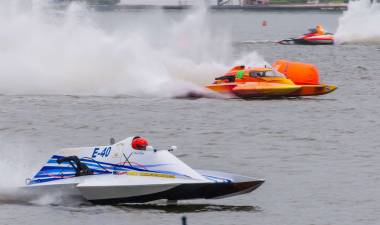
(125, 173)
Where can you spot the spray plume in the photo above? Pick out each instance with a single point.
(360, 23)
(47, 51)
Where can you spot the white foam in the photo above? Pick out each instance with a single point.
(45, 51)
(16, 164)
(360, 23)
(20, 161)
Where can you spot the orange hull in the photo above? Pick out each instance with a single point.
(311, 90)
(255, 89)
(222, 88)
(300, 79)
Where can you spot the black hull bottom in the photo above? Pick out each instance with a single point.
(303, 42)
(188, 191)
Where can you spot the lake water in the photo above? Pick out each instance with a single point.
(318, 155)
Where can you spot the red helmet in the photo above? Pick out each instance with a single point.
(139, 143)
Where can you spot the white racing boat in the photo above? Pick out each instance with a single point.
(124, 173)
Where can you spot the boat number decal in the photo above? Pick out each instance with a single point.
(103, 153)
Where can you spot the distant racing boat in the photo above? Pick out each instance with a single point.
(315, 37)
(288, 79)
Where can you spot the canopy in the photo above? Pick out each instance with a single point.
(299, 73)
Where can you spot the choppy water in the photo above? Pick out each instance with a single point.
(319, 155)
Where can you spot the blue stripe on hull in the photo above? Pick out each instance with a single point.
(60, 171)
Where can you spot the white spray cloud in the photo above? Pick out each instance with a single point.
(46, 51)
(14, 167)
(20, 161)
(360, 23)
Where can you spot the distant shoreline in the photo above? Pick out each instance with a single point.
(279, 7)
(337, 7)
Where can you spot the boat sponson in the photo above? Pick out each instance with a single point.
(311, 90)
(313, 42)
(189, 191)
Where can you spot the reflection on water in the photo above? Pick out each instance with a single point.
(88, 208)
(14, 202)
(190, 208)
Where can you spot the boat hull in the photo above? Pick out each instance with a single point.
(264, 91)
(312, 90)
(311, 40)
(188, 191)
(222, 88)
(140, 187)
(255, 89)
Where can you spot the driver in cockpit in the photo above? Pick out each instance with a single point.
(139, 143)
(319, 30)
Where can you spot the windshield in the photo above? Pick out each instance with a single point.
(270, 73)
(277, 74)
(312, 30)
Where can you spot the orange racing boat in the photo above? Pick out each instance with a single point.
(290, 79)
(305, 75)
